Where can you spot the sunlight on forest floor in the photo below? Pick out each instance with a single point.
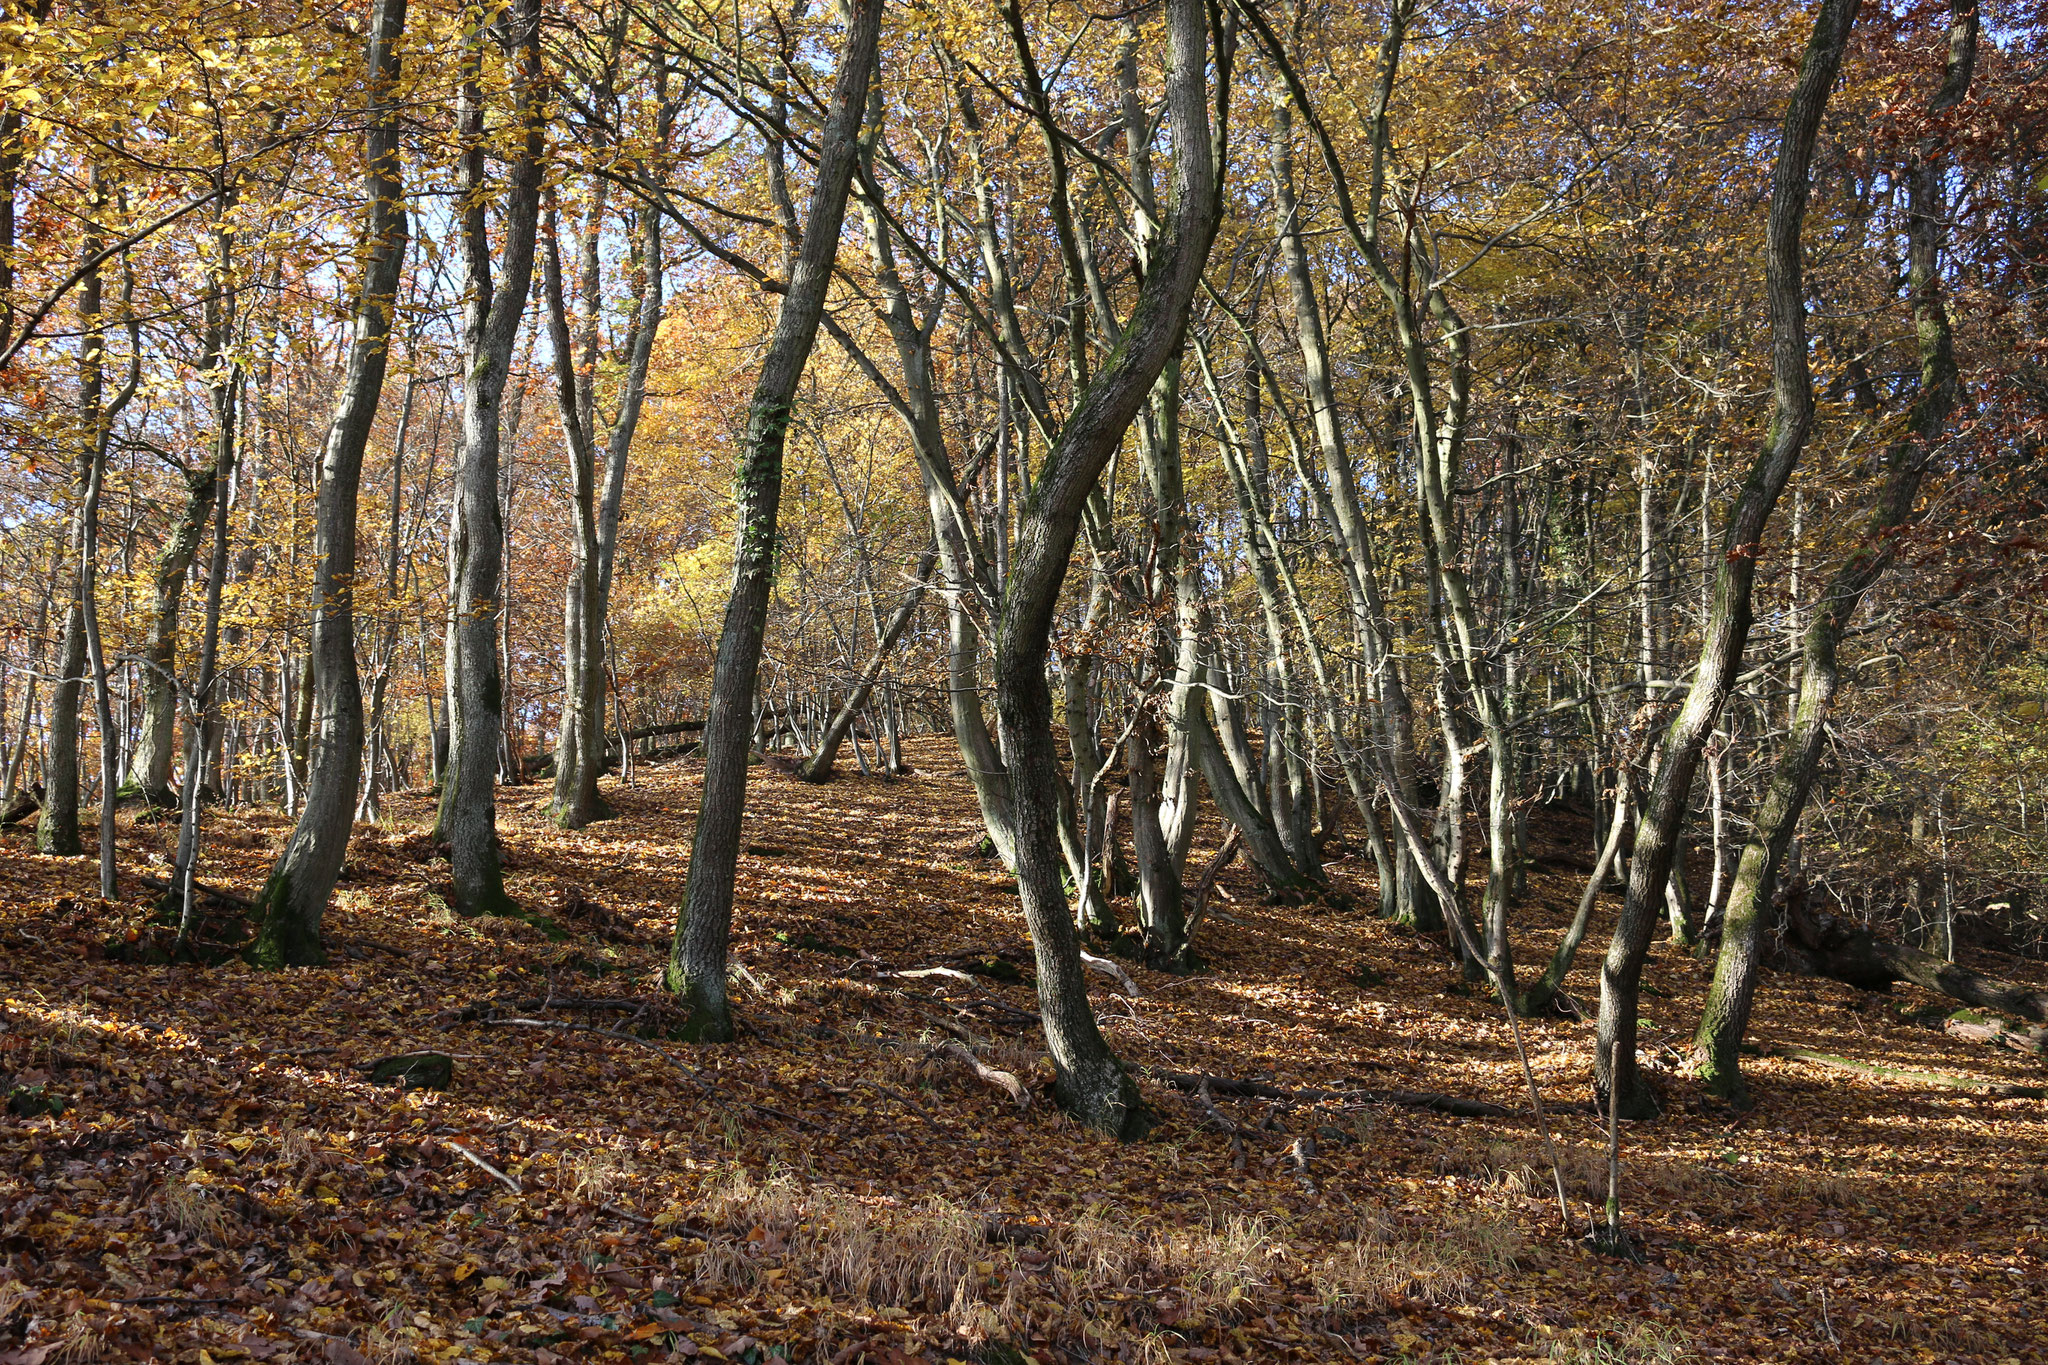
(222, 1183)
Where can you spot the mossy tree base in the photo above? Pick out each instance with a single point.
(706, 1014)
(588, 813)
(1106, 1099)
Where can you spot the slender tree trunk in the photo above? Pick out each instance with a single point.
(387, 648)
(1727, 626)
(1537, 998)
(224, 379)
(467, 818)
(289, 910)
(697, 962)
(97, 429)
(57, 825)
(155, 749)
(1726, 1016)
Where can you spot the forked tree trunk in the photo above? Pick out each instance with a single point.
(697, 961)
(224, 378)
(289, 910)
(1727, 625)
(579, 750)
(1718, 1041)
(467, 818)
(155, 749)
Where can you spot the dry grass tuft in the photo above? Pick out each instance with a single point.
(81, 1342)
(189, 1209)
(592, 1174)
(1639, 1345)
(1441, 1265)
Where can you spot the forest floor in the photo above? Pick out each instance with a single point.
(225, 1184)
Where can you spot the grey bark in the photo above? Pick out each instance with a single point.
(1091, 1083)
(467, 818)
(1726, 1017)
(224, 378)
(579, 752)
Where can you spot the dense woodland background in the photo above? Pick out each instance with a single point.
(1381, 424)
(1442, 539)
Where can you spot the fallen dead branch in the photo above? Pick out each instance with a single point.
(1195, 1083)
(1825, 945)
(212, 893)
(1005, 1081)
(1997, 1032)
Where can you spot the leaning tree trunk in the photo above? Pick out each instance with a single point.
(818, 767)
(1718, 1041)
(289, 910)
(1728, 622)
(468, 818)
(697, 962)
(1091, 1083)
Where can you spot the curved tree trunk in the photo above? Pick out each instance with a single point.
(1091, 1082)
(289, 910)
(697, 962)
(1718, 1040)
(1727, 626)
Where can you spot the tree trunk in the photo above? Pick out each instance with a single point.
(224, 379)
(97, 427)
(467, 818)
(155, 748)
(1718, 1041)
(289, 910)
(1727, 626)
(697, 962)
